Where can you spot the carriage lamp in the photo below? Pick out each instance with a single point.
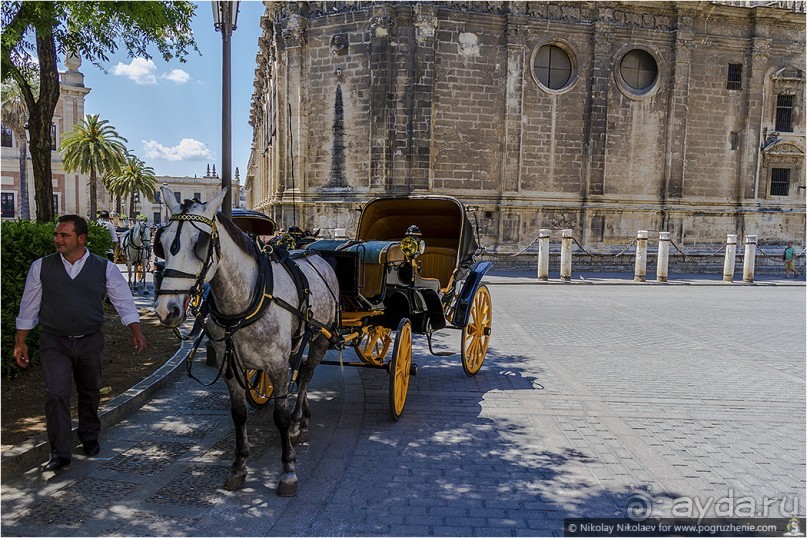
(412, 245)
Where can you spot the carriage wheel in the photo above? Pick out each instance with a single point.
(399, 369)
(373, 347)
(476, 334)
(260, 390)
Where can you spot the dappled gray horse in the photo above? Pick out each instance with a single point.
(255, 309)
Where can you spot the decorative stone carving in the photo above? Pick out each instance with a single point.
(339, 45)
(536, 9)
(294, 27)
(381, 25)
(425, 23)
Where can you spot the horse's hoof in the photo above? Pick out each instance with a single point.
(287, 489)
(302, 437)
(235, 482)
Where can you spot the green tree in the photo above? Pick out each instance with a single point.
(132, 178)
(93, 146)
(90, 29)
(15, 117)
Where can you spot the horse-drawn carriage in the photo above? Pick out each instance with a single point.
(411, 269)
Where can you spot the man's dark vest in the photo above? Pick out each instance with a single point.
(72, 307)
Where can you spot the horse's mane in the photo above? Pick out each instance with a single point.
(236, 234)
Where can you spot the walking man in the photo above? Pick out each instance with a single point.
(790, 260)
(104, 219)
(64, 293)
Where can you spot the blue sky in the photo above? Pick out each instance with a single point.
(170, 112)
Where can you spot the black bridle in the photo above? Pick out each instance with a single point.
(206, 245)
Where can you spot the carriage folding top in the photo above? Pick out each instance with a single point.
(376, 280)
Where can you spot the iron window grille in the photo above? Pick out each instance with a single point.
(784, 113)
(735, 78)
(780, 181)
(7, 205)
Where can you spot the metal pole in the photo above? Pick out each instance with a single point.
(226, 119)
(663, 256)
(543, 254)
(640, 265)
(728, 261)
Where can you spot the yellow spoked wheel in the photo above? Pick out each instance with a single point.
(476, 334)
(399, 369)
(373, 347)
(260, 388)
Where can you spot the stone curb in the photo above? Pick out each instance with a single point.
(523, 282)
(33, 452)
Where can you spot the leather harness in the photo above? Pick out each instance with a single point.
(262, 297)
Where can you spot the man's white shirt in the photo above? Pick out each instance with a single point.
(116, 288)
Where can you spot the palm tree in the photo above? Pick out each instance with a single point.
(15, 117)
(132, 178)
(93, 146)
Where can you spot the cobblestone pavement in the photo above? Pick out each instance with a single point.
(592, 399)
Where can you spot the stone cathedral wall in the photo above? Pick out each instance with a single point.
(355, 100)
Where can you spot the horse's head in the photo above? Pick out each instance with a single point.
(140, 234)
(189, 245)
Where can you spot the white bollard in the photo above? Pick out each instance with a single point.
(640, 267)
(663, 256)
(748, 262)
(731, 256)
(566, 256)
(543, 254)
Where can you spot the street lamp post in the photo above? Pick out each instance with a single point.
(225, 18)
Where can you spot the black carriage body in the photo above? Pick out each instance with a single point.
(375, 277)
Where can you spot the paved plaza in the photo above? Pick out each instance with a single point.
(593, 400)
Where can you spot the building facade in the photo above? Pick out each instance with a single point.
(70, 191)
(184, 188)
(602, 117)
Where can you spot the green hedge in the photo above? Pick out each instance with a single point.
(23, 241)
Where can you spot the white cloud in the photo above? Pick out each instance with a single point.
(177, 76)
(188, 149)
(141, 70)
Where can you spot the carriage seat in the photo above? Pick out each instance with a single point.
(439, 263)
(372, 256)
(375, 256)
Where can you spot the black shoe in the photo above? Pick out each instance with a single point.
(56, 464)
(92, 448)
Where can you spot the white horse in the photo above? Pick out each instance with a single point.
(135, 243)
(252, 322)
